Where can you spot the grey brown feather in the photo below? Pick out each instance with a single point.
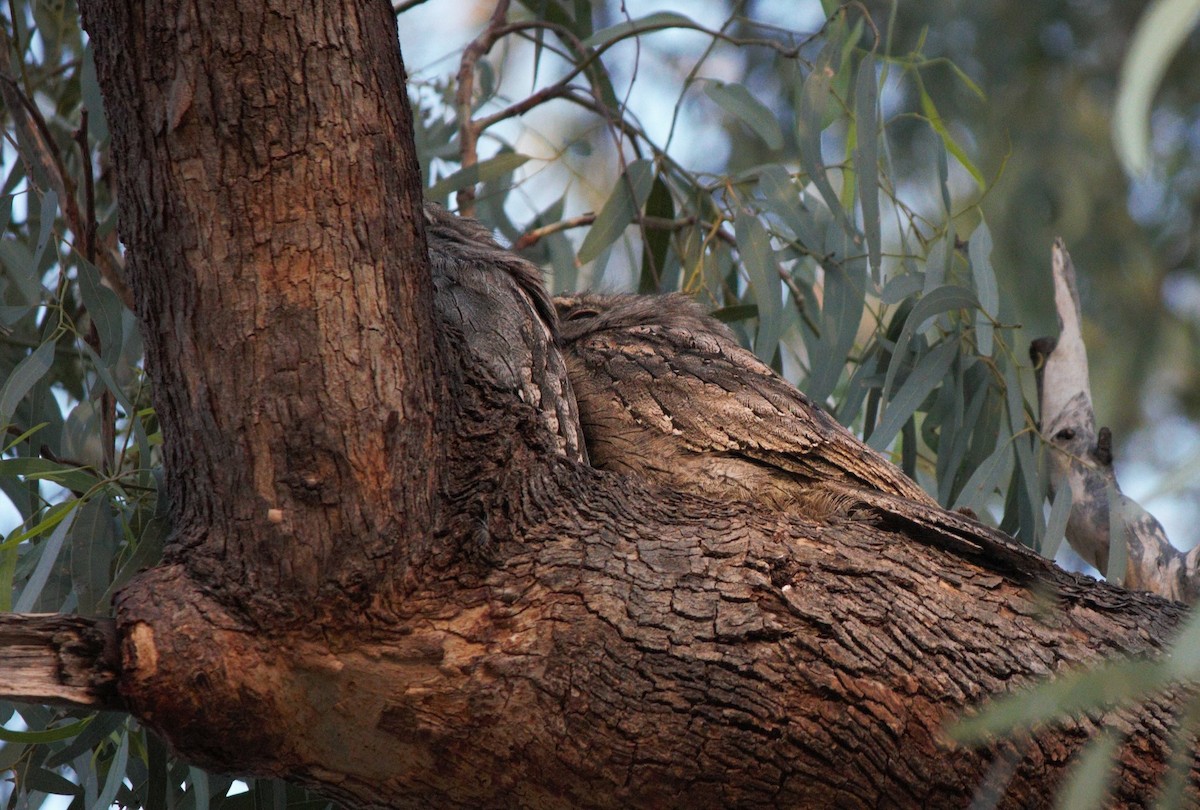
(665, 392)
(497, 301)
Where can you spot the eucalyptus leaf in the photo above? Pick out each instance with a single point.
(482, 171)
(116, 774)
(1163, 28)
(105, 309)
(1100, 687)
(983, 482)
(1091, 775)
(814, 97)
(866, 160)
(1056, 524)
(947, 298)
(93, 544)
(49, 552)
(979, 252)
(24, 376)
(923, 379)
(21, 270)
(754, 246)
(642, 25)
(627, 198)
(738, 102)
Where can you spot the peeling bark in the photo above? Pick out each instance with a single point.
(1081, 456)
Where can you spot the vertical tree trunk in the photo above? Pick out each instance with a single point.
(269, 199)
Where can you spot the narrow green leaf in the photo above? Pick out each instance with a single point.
(481, 172)
(781, 196)
(737, 101)
(754, 247)
(735, 313)
(627, 198)
(1160, 33)
(979, 252)
(93, 544)
(104, 307)
(200, 787)
(25, 436)
(76, 479)
(46, 735)
(844, 291)
(1068, 694)
(1118, 554)
(103, 724)
(49, 556)
(47, 213)
(923, 379)
(116, 775)
(947, 298)
(46, 781)
(642, 25)
(939, 126)
(1056, 524)
(900, 287)
(984, 481)
(93, 100)
(24, 376)
(1091, 776)
(656, 242)
(866, 160)
(1029, 497)
(22, 272)
(147, 554)
(814, 97)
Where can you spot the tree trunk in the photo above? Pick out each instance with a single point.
(327, 612)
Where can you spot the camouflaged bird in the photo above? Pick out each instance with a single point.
(666, 393)
(472, 274)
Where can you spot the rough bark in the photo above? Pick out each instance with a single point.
(327, 612)
(269, 201)
(1082, 459)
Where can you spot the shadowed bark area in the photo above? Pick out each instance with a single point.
(389, 583)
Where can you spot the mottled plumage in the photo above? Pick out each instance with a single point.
(497, 301)
(666, 393)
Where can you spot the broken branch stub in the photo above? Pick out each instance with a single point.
(1082, 457)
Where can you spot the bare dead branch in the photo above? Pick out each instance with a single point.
(65, 660)
(1081, 458)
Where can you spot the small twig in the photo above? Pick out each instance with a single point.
(89, 189)
(468, 132)
(401, 7)
(531, 238)
(87, 235)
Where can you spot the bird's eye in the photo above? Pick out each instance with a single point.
(581, 313)
(1065, 435)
